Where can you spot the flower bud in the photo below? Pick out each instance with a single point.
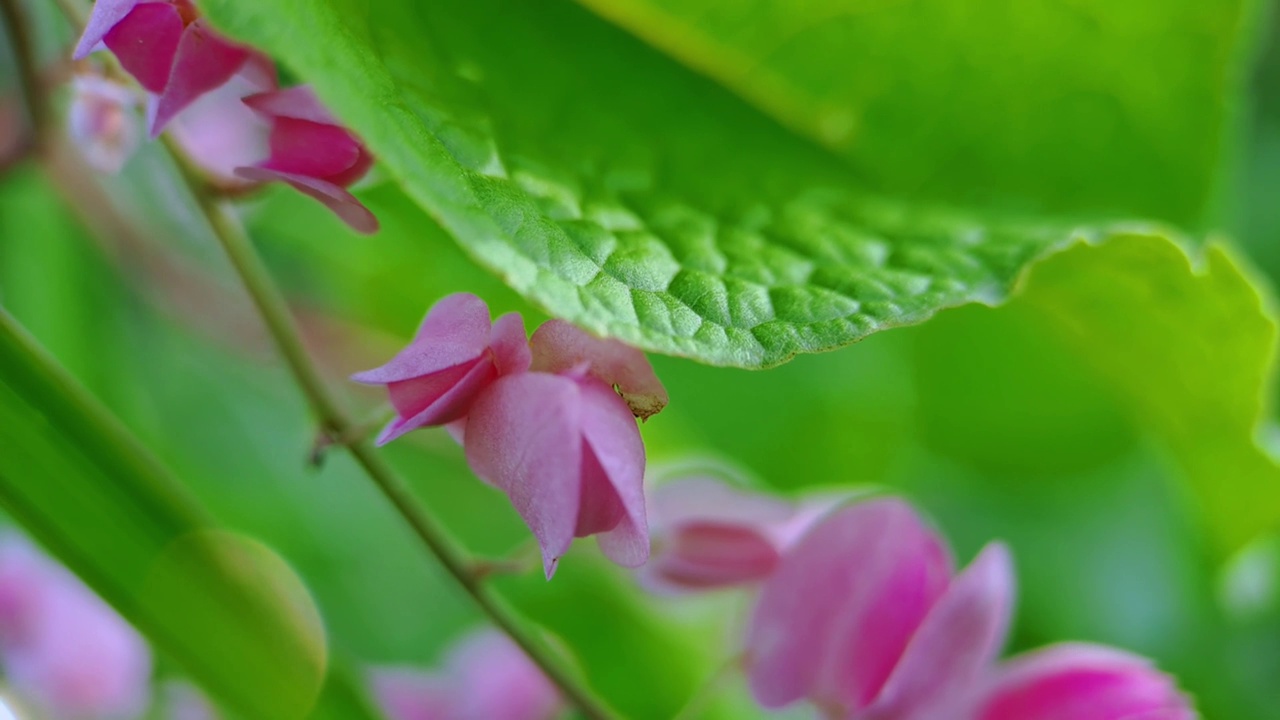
(102, 122)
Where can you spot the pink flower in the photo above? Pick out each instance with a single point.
(219, 133)
(864, 618)
(564, 445)
(169, 49)
(456, 353)
(311, 151)
(101, 122)
(708, 534)
(486, 677)
(63, 648)
(1080, 682)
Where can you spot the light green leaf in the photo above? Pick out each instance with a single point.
(1190, 343)
(1087, 106)
(223, 605)
(618, 189)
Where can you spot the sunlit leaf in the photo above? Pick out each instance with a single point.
(620, 190)
(1086, 106)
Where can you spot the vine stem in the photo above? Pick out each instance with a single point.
(272, 308)
(29, 83)
(274, 311)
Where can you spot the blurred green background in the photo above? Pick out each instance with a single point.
(983, 416)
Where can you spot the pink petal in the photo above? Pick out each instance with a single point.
(436, 399)
(298, 102)
(956, 643)
(405, 693)
(306, 148)
(342, 203)
(509, 345)
(836, 615)
(204, 61)
(219, 133)
(559, 346)
(524, 435)
(1081, 682)
(106, 15)
(709, 534)
(494, 680)
(703, 555)
(146, 41)
(613, 440)
(358, 169)
(454, 332)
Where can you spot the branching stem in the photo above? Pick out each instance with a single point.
(271, 306)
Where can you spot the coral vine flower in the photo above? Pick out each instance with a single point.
(169, 50)
(1081, 682)
(864, 618)
(312, 152)
(486, 677)
(708, 534)
(455, 354)
(565, 446)
(63, 648)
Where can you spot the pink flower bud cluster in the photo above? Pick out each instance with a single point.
(550, 421)
(484, 677)
(862, 613)
(224, 100)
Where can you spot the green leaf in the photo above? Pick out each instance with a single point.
(617, 189)
(1088, 106)
(1190, 343)
(221, 604)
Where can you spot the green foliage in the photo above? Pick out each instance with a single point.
(223, 605)
(1194, 365)
(1077, 107)
(786, 177)
(619, 190)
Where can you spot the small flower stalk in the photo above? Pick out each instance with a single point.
(550, 421)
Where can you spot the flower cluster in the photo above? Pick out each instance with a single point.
(550, 421)
(865, 616)
(224, 101)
